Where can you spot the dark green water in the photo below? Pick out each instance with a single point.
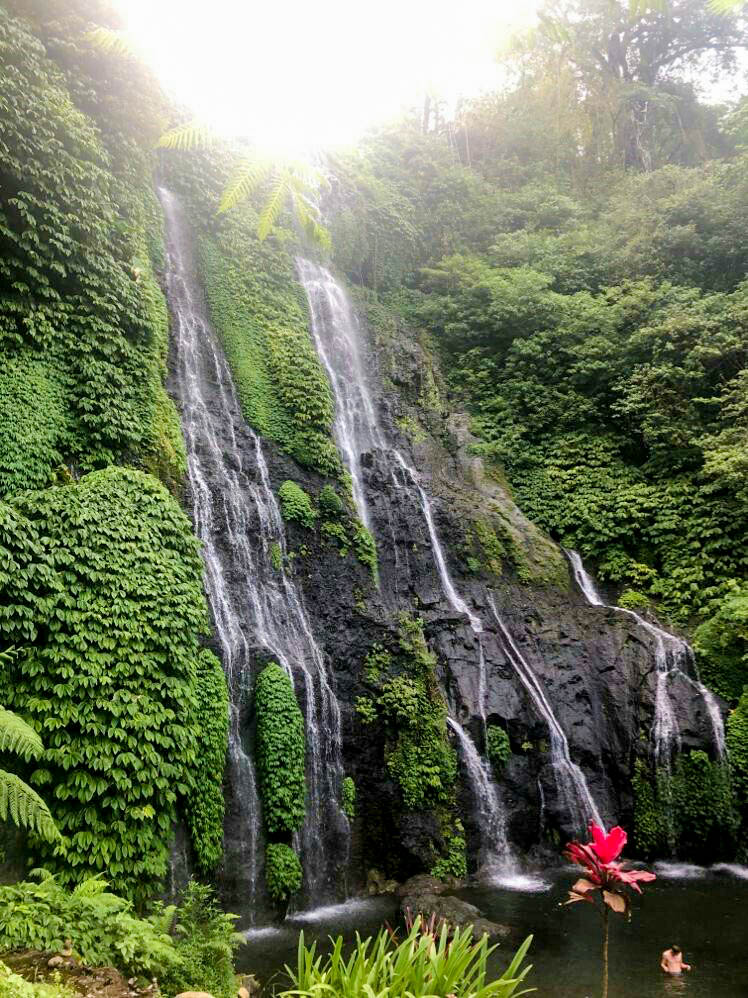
(704, 913)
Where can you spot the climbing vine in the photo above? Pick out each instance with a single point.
(100, 589)
(206, 800)
(283, 872)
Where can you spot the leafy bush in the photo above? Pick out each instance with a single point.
(296, 505)
(280, 749)
(206, 942)
(101, 588)
(348, 800)
(206, 799)
(630, 599)
(419, 966)
(101, 925)
(497, 746)
(454, 861)
(331, 505)
(283, 874)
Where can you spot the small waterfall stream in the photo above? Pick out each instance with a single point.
(336, 333)
(569, 778)
(257, 610)
(673, 657)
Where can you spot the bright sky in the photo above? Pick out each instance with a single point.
(292, 75)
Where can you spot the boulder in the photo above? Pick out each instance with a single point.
(454, 911)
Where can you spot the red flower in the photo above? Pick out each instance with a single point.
(608, 847)
(601, 873)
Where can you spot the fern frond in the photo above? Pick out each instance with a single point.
(25, 808)
(725, 6)
(18, 737)
(273, 206)
(247, 176)
(90, 887)
(193, 135)
(8, 654)
(111, 42)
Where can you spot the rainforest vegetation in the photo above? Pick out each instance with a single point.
(563, 260)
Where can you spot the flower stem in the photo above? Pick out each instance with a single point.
(605, 950)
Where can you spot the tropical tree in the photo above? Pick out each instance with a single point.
(605, 879)
(18, 802)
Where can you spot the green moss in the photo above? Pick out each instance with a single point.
(283, 873)
(280, 750)
(497, 746)
(349, 798)
(276, 556)
(296, 505)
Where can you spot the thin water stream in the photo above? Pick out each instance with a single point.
(673, 657)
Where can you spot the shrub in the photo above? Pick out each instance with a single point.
(283, 873)
(330, 504)
(206, 799)
(296, 505)
(280, 751)
(454, 861)
(205, 942)
(421, 966)
(497, 746)
(630, 599)
(349, 797)
(101, 925)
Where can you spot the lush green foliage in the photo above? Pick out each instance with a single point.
(413, 713)
(205, 798)
(420, 966)
(722, 643)
(572, 244)
(737, 746)
(104, 931)
(498, 747)
(348, 797)
(101, 591)
(18, 802)
(205, 942)
(280, 749)
(83, 333)
(296, 505)
(693, 807)
(454, 861)
(283, 873)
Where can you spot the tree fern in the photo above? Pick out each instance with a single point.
(246, 178)
(112, 42)
(274, 205)
(193, 135)
(25, 808)
(18, 737)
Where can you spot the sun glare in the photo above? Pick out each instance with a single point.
(294, 76)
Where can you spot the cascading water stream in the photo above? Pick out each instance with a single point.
(673, 657)
(257, 610)
(570, 780)
(336, 333)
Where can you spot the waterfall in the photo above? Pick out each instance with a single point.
(257, 610)
(570, 781)
(336, 333)
(673, 657)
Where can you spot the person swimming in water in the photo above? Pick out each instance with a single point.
(671, 961)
